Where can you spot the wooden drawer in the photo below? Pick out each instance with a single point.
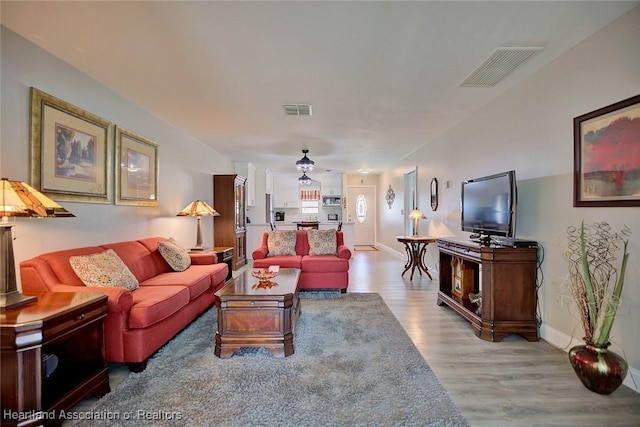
(59, 326)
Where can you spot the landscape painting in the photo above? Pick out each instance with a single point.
(71, 151)
(75, 154)
(607, 156)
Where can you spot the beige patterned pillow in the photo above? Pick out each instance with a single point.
(176, 256)
(322, 242)
(105, 269)
(281, 242)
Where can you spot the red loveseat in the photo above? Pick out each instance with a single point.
(141, 321)
(317, 271)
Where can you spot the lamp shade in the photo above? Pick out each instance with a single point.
(198, 208)
(19, 199)
(417, 214)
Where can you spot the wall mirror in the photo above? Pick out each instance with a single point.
(434, 194)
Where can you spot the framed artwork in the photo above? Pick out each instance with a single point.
(71, 156)
(607, 156)
(136, 169)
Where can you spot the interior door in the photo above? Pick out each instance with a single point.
(361, 210)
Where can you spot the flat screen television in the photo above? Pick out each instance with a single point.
(488, 206)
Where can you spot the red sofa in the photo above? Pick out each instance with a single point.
(138, 322)
(317, 271)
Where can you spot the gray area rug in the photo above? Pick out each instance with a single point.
(353, 365)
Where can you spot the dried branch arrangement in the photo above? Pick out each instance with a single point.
(596, 283)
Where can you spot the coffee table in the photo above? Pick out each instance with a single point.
(251, 316)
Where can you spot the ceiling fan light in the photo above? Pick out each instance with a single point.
(304, 179)
(305, 163)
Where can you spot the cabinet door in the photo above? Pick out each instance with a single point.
(240, 210)
(285, 191)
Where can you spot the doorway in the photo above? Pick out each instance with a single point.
(410, 200)
(361, 210)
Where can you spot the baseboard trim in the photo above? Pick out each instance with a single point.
(564, 342)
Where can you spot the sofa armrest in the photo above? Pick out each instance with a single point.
(344, 252)
(204, 258)
(260, 253)
(119, 300)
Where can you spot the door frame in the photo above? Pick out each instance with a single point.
(375, 201)
(410, 198)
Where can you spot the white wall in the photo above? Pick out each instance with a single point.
(529, 129)
(186, 165)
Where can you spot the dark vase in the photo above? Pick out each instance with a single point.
(599, 369)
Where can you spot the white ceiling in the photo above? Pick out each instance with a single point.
(382, 77)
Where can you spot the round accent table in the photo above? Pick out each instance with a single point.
(416, 248)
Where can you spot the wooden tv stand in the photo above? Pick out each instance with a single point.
(507, 278)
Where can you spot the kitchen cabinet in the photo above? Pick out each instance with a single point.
(229, 228)
(332, 184)
(285, 191)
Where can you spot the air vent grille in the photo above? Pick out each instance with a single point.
(498, 65)
(297, 109)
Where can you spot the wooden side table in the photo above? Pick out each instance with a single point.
(67, 325)
(416, 248)
(225, 254)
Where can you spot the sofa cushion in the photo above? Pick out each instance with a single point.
(322, 242)
(324, 264)
(282, 242)
(103, 269)
(151, 304)
(138, 258)
(176, 256)
(288, 261)
(197, 278)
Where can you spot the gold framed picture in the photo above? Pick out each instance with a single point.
(71, 158)
(136, 169)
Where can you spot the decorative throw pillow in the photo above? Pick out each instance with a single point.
(176, 256)
(322, 242)
(281, 242)
(105, 269)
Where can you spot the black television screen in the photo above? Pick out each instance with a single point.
(488, 205)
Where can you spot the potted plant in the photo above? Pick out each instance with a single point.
(596, 286)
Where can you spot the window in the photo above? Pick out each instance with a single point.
(361, 208)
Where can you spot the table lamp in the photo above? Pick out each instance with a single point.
(19, 199)
(198, 208)
(416, 215)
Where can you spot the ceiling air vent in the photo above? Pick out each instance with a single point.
(297, 109)
(498, 65)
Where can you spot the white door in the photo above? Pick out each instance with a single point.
(361, 210)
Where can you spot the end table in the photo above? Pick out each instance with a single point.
(67, 327)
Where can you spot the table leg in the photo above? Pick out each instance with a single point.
(409, 262)
(421, 265)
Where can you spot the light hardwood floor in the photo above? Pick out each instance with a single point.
(511, 383)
